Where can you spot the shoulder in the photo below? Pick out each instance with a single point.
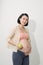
(15, 28)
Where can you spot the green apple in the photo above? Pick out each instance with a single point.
(20, 45)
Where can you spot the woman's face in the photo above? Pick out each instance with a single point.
(23, 20)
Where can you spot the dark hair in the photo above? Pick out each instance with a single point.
(18, 20)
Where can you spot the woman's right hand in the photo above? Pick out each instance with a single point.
(19, 46)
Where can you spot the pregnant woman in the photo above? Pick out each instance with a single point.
(22, 41)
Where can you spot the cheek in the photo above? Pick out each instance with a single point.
(26, 21)
(22, 21)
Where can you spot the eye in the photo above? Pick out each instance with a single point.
(23, 18)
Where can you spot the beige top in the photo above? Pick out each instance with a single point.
(16, 38)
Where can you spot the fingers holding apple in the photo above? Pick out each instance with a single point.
(20, 46)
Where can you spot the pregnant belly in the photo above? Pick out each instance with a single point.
(24, 42)
(25, 45)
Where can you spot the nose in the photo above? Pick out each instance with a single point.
(24, 21)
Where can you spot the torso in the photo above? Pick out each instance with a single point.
(25, 43)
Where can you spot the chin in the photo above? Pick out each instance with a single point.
(23, 24)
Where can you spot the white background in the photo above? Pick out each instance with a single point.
(9, 12)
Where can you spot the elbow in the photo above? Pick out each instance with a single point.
(8, 40)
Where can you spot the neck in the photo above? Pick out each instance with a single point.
(21, 26)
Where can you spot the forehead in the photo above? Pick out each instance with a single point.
(24, 16)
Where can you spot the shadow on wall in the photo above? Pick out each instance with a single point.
(34, 56)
